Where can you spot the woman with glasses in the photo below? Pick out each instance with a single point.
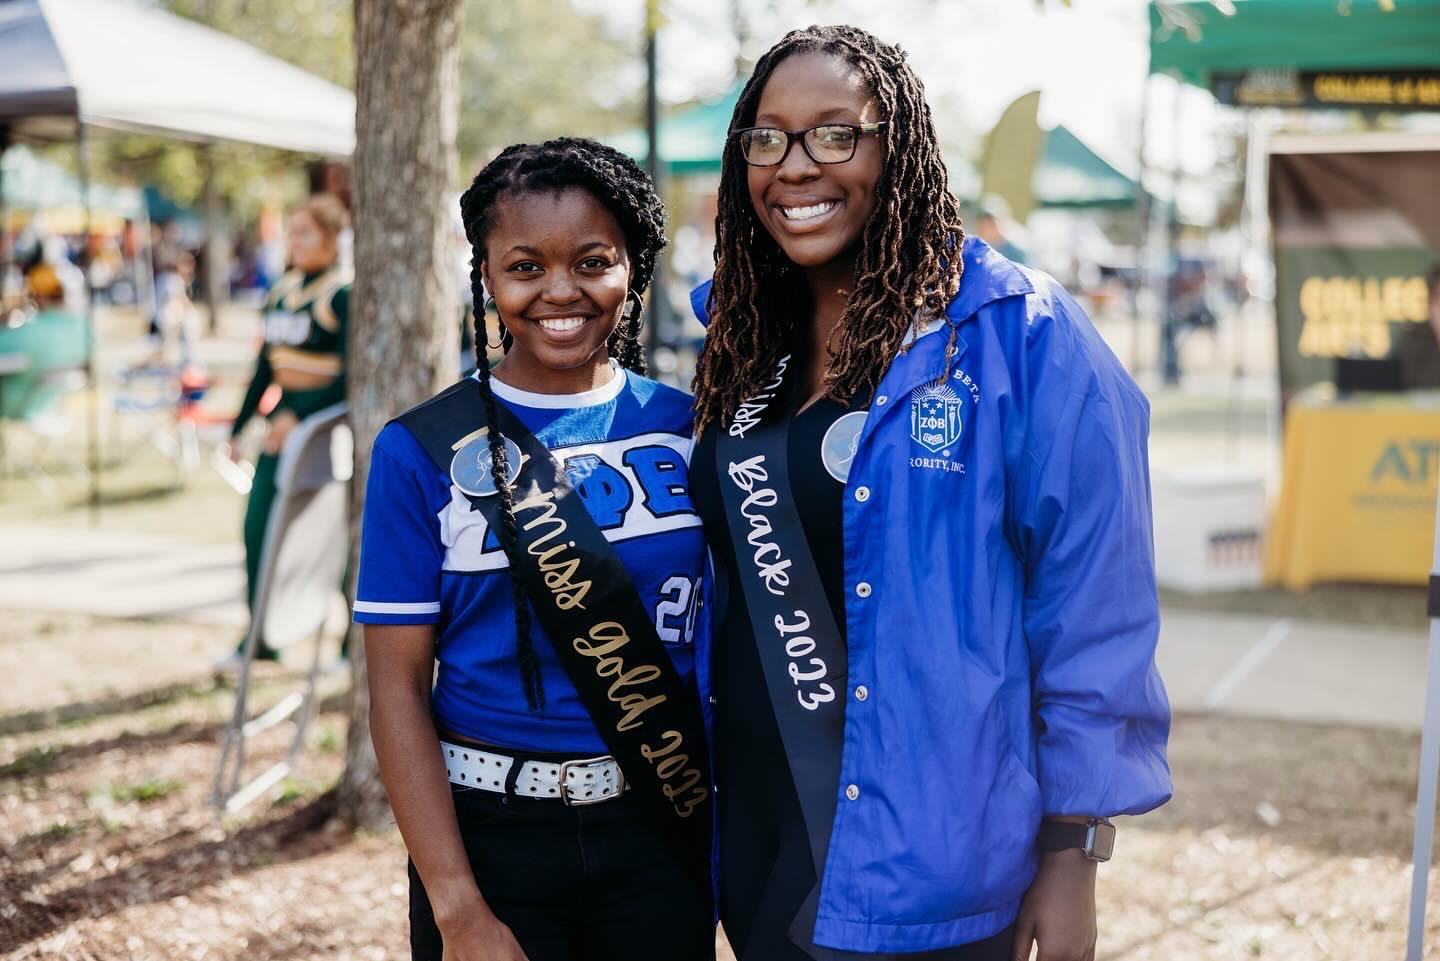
(923, 477)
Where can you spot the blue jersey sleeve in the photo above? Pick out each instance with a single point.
(400, 550)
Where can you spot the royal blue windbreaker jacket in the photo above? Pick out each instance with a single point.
(1001, 612)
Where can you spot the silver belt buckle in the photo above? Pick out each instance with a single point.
(565, 767)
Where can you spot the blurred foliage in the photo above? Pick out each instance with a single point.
(534, 70)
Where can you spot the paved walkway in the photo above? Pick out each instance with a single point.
(121, 574)
(1294, 669)
(1289, 668)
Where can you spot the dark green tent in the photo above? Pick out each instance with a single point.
(1071, 175)
(1198, 39)
(691, 140)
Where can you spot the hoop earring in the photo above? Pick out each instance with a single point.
(488, 306)
(633, 307)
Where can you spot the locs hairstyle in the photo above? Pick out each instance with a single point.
(909, 259)
(628, 193)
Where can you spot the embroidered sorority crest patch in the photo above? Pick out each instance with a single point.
(470, 468)
(935, 417)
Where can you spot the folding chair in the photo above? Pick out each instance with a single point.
(303, 561)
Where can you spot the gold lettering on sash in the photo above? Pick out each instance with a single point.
(569, 594)
(559, 562)
(605, 642)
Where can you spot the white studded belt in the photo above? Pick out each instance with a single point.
(579, 782)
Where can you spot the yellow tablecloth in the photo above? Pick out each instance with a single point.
(1358, 495)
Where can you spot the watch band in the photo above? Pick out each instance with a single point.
(1095, 838)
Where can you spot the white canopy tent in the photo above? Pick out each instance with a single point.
(70, 65)
(113, 64)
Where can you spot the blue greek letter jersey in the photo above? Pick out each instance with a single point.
(427, 557)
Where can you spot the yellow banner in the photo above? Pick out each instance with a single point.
(1358, 501)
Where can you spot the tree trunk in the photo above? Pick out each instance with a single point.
(404, 325)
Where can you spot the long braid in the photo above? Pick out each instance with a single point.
(508, 533)
(628, 193)
(909, 265)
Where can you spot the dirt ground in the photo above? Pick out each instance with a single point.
(1284, 841)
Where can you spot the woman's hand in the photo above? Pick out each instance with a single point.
(280, 427)
(479, 936)
(1058, 912)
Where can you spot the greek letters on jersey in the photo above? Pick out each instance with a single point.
(427, 557)
(633, 487)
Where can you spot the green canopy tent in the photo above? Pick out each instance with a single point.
(691, 140)
(1202, 40)
(1371, 55)
(1068, 175)
(1071, 176)
(1338, 54)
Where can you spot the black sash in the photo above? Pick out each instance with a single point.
(801, 652)
(649, 719)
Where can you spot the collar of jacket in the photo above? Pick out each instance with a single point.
(988, 277)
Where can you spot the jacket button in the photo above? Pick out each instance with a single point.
(880, 401)
(862, 494)
(861, 692)
(862, 589)
(852, 792)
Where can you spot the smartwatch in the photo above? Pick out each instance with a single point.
(1095, 838)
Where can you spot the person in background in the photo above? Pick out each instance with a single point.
(995, 226)
(52, 279)
(301, 367)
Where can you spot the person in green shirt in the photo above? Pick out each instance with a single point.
(301, 367)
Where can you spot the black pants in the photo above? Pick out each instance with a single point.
(589, 883)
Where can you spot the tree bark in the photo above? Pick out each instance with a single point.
(404, 325)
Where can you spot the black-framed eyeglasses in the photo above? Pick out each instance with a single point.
(826, 143)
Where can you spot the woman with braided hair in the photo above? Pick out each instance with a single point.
(530, 530)
(923, 476)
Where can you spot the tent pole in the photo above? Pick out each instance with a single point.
(1142, 230)
(1169, 333)
(1429, 768)
(5, 251)
(653, 167)
(91, 360)
(210, 282)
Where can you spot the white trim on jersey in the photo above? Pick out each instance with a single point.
(603, 394)
(463, 529)
(387, 607)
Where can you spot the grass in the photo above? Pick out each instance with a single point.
(32, 762)
(141, 488)
(297, 789)
(143, 792)
(329, 741)
(60, 830)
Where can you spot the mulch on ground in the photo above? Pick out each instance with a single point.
(1284, 841)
